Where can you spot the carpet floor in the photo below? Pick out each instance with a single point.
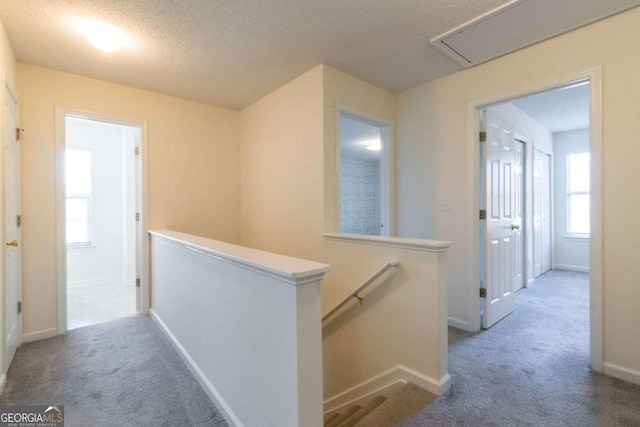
(119, 373)
(532, 367)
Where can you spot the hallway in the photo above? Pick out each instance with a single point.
(532, 368)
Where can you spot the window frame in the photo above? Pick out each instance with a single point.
(570, 234)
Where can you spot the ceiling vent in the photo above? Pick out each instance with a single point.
(520, 23)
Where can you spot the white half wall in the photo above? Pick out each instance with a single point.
(570, 253)
(247, 322)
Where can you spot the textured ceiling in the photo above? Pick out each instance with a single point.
(233, 52)
(558, 110)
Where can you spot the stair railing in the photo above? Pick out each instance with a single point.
(354, 294)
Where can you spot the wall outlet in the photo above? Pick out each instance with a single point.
(446, 205)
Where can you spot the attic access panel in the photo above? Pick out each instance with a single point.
(521, 23)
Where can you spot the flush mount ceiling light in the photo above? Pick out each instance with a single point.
(103, 36)
(373, 145)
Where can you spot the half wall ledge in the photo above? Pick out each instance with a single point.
(396, 242)
(294, 271)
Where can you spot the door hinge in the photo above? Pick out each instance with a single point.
(483, 136)
(483, 292)
(19, 307)
(136, 151)
(137, 282)
(483, 214)
(18, 220)
(18, 133)
(137, 216)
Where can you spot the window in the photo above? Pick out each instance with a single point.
(78, 197)
(578, 217)
(363, 174)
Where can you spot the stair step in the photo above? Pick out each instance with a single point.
(331, 418)
(407, 401)
(344, 416)
(363, 412)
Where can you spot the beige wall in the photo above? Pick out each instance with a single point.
(194, 163)
(442, 106)
(288, 152)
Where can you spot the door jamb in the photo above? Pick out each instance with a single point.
(143, 170)
(594, 75)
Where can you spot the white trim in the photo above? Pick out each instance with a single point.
(61, 249)
(457, 323)
(383, 383)
(594, 75)
(396, 242)
(3, 382)
(209, 389)
(570, 267)
(294, 271)
(617, 371)
(40, 335)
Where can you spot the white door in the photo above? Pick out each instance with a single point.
(12, 228)
(502, 221)
(518, 219)
(541, 213)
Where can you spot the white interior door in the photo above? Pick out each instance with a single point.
(12, 229)
(518, 217)
(502, 222)
(541, 213)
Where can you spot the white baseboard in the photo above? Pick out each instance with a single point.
(621, 372)
(3, 382)
(457, 323)
(570, 268)
(39, 335)
(385, 384)
(96, 281)
(211, 391)
(530, 282)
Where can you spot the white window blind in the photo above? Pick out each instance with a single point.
(78, 197)
(578, 194)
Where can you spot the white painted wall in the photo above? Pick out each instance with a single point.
(569, 252)
(537, 136)
(248, 323)
(436, 113)
(111, 257)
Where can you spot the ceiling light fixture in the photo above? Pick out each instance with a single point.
(104, 37)
(373, 145)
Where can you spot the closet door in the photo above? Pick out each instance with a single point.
(541, 213)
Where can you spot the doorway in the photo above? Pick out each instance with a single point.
(589, 199)
(101, 220)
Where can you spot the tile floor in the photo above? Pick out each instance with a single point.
(92, 304)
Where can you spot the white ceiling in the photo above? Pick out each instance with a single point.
(558, 110)
(233, 52)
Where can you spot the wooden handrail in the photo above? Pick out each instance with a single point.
(354, 294)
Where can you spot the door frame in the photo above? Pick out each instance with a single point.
(594, 75)
(143, 188)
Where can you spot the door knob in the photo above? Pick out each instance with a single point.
(11, 243)
(515, 227)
